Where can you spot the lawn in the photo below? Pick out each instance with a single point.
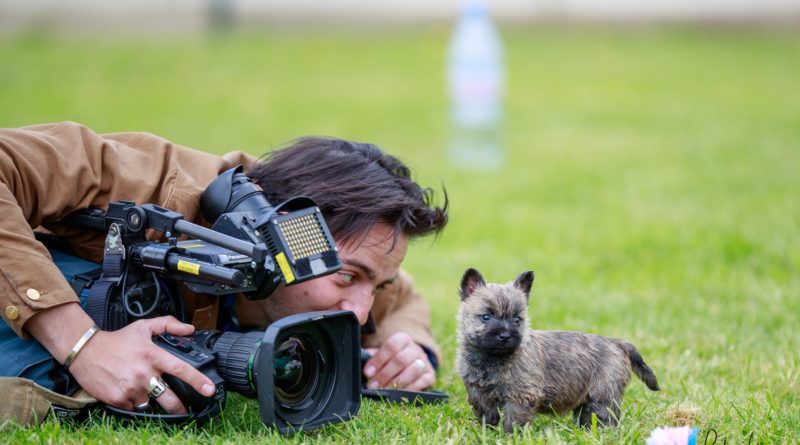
(652, 183)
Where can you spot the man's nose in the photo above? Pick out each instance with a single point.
(360, 303)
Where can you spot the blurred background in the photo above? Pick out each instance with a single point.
(193, 15)
(643, 156)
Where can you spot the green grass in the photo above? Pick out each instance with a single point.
(652, 184)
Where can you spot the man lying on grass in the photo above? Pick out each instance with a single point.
(371, 205)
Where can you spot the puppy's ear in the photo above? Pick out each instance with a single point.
(524, 282)
(471, 280)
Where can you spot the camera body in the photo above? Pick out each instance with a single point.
(194, 351)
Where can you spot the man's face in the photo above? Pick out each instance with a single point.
(367, 266)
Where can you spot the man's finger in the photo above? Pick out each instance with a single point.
(168, 324)
(390, 348)
(169, 364)
(170, 402)
(425, 381)
(391, 369)
(411, 373)
(137, 406)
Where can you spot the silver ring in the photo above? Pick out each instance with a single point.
(420, 364)
(157, 386)
(142, 407)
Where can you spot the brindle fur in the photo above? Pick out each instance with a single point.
(509, 368)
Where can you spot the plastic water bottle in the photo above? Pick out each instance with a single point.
(476, 81)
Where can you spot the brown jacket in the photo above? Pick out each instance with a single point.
(48, 171)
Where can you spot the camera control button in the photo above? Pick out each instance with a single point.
(184, 346)
(168, 338)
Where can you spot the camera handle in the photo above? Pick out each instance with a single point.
(201, 408)
(134, 220)
(169, 222)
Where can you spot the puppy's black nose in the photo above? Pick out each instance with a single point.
(504, 336)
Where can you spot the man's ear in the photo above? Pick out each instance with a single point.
(524, 282)
(471, 280)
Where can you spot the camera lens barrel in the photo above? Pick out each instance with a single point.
(235, 355)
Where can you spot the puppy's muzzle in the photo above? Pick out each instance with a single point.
(501, 340)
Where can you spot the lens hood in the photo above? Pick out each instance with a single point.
(307, 371)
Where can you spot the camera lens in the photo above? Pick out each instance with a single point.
(235, 355)
(296, 370)
(307, 370)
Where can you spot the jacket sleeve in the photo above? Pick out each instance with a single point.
(400, 308)
(49, 171)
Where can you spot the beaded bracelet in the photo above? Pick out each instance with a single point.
(79, 345)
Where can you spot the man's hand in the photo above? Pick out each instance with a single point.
(399, 363)
(116, 367)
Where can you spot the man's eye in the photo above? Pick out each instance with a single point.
(486, 317)
(347, 277)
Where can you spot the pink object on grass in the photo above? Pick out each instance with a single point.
(673, 436)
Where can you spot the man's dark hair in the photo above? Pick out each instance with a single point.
(355, 185)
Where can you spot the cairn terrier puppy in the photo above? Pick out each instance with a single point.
(509, 368)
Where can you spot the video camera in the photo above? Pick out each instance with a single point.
(305, 369)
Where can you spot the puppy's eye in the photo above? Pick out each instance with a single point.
(517, 320)
(486, 317)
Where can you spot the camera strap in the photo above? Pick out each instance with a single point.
(82, 281)
(100, 293)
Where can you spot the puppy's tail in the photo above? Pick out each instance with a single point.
(640, 368)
